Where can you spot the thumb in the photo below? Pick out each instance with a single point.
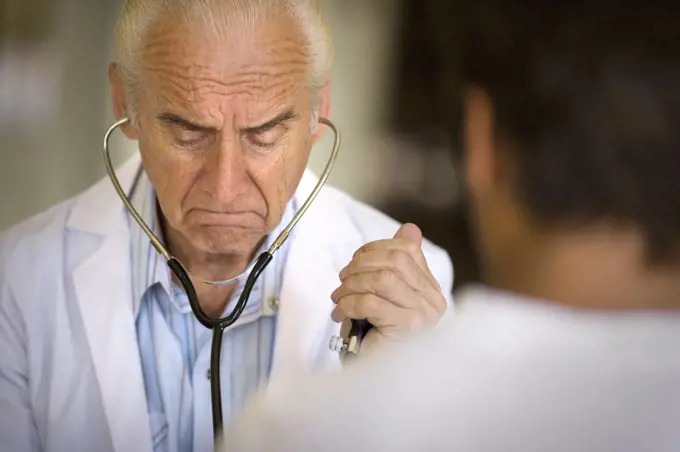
(410, 232)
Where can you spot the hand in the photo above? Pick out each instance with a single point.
(389, 284)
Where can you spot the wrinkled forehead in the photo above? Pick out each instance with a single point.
(257, 62)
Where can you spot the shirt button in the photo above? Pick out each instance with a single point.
(273, 304)
(207, 374)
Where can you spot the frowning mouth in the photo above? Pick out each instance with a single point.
(207, 218)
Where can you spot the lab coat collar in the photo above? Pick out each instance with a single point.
(102, 286)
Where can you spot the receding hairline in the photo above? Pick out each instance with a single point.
(231, 26)
(212, 24)
(212, 18)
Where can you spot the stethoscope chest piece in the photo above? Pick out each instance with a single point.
(358, 330)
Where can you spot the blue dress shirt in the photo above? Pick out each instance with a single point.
(175, 348)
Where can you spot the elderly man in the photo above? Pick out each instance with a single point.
(99, 350)
(572, 148)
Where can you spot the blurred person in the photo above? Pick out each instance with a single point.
(99, 349)
(571, 148)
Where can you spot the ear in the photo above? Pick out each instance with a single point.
(478, 141)
(119, 100)
(324, 109)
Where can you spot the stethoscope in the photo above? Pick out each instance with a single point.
(218, 325)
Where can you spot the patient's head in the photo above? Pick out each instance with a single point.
(571, 131)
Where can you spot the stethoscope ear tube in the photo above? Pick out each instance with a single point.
(218, 326)
(183, 277)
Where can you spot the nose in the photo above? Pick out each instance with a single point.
(225, 173)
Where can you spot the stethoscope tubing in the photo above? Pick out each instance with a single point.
(218, 325)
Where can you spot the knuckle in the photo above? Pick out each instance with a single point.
(412, 247)
(424, 282)
(363, 249)
(400, 258)
(415, 321)
(384, 278)
(369, 304)
(360, 259)
(358, 306)
(349, 268)
(346, 306)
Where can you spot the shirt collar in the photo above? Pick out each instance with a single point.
(149, 267)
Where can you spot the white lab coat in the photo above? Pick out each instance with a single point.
(70, 373)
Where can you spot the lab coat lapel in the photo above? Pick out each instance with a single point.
(104, 296)
(320, 247)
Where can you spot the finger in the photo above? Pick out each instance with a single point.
(426, 268)
(393, 248)
(338, 315)
(378, 311)
(413, 234)
(404, 239)
(386, 244)
(383, 283)
(394, 244)
(389, 285)
(396, 260)
(408, 235)
(410, 232)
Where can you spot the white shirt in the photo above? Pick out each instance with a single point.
(505, 374)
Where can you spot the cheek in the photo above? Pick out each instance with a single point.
(280, 180)
(294, 164)
(170, 176)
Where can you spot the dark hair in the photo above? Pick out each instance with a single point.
(589, 94)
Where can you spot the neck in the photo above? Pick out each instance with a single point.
(207, 267)
(599, 270)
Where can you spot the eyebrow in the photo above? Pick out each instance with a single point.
(279, 119)
(176, 120)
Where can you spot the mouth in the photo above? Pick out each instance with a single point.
(245, 220)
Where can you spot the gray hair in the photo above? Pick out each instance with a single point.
(138, 15)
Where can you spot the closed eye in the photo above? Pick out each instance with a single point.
(267, 134)
(190, 137)
(267, 137)
(185, 132)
